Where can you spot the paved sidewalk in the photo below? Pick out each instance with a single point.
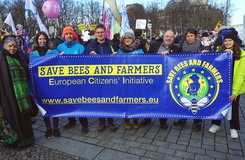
(146, 143)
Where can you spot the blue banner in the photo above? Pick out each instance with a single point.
(186, 85)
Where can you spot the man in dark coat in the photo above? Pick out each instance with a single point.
(166, 47)
(163, 48)
(102, 45)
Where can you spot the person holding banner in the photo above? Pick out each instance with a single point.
(128, 45)
(238, 84)
(166, 47)
(101, 45)
(43, 47)
(191, 44)
(70, 46)
(15, 99)
(162, 48)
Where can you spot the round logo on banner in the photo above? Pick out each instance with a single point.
(194, 87)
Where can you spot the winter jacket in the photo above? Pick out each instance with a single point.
(140, 51)
(71, 48)
(154, 47)
(238, 85)
(35, 54)
(57, 41)
(101, 48)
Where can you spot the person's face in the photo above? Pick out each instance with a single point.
(229, 43)
(100, 34)
(128, 40)
(168, 38)
(42, 40)
(69, 37)
(11, 47)
(190, 38)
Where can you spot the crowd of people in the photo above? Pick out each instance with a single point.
(16, 102)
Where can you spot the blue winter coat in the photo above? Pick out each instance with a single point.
(71, 48)
(105, 48)
(140, 51)
(35, 54)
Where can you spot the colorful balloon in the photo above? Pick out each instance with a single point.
(51, 9)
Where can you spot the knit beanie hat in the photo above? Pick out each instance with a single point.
(68, 30)
(129, 33)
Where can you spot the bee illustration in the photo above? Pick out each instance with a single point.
(193, 104)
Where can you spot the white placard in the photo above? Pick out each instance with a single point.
(140, 24)
(51, 29)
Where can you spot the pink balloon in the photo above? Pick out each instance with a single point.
(51, 9)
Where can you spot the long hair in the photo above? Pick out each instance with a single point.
(44, 34)
(49, 44)
(236, 51)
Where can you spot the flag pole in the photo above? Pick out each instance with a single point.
(103, 11)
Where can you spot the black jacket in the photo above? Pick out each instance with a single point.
(57, 41)
(105, 48)
(154, 47)
(143, 43)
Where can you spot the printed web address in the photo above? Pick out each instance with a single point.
(102, 100)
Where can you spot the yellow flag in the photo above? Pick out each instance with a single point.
(218, 25)
(92, 27)
(113, 5)
(82, 27)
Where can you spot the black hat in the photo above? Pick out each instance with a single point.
(231, 36)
